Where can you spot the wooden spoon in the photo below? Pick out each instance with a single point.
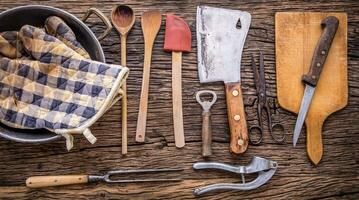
(151, 23)
(123, 18)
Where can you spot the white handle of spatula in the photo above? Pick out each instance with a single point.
(177, 98)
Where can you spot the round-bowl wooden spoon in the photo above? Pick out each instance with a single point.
(123, 18)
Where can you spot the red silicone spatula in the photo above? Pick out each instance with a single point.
(177, 40)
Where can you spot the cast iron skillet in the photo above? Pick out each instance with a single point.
(35, 15)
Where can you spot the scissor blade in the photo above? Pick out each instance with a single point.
(307, 99)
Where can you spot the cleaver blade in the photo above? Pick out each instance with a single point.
(221, 34)
(220, 43)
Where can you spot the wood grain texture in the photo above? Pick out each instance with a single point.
(336, 177)
(123, 18)
(177, 99)
(236, 118)
(206, 134)
(297, 35)
(48, 181)
(151, 24)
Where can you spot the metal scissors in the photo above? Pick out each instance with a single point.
(262, 105)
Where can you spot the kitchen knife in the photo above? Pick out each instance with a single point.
(330, 25)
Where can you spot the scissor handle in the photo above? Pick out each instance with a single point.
(274, 136)
(260, 132)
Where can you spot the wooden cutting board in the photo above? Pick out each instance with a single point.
(296, 36)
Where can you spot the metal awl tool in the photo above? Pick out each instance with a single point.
(263, 106)
(330, 25)
(206, 121)
(263, 167)
(47, 181)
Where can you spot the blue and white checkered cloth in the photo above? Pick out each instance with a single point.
(48, 83)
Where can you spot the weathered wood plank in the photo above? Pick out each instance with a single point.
(335, 177)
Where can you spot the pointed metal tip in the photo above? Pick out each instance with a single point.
(295, 140)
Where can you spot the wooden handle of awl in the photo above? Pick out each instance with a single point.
(206, 134)
(236, 118)
(124, 97)
(46, 181)
(177, 99)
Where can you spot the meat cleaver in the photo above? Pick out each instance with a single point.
(221, 34)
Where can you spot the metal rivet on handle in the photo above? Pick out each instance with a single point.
(323, 52)
(318, 64)
(240, 142)
(235, 93)
(313, 77)
(237, 117)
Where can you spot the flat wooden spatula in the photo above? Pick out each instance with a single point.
(177, 40)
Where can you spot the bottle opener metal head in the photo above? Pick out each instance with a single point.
(206, 105)
(263, 167)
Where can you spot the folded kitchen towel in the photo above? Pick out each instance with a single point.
(57, 89)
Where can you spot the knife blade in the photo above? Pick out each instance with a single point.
(330, 25)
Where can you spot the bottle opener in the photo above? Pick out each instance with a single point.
(206, 121)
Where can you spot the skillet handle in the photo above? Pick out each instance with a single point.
(104, 19)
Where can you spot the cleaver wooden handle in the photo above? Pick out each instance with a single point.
(236, 118)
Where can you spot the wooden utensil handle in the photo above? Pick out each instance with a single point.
(177, 99)
(46, 181)
(206, 134)
(142, 114)
(124, 97)
(321, 51)
(236, 118)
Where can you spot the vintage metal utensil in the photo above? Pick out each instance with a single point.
(263, 106)
(151, 23)
(123, 18)
(178, 39)
(263, 167)
(220, 43)
(310, 80)
(206, 121)
(47, 181)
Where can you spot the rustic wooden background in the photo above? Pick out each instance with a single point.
(336, 176)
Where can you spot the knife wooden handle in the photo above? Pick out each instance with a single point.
(321, 51)
(46, 181)
(206, 134)
(236, 118)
